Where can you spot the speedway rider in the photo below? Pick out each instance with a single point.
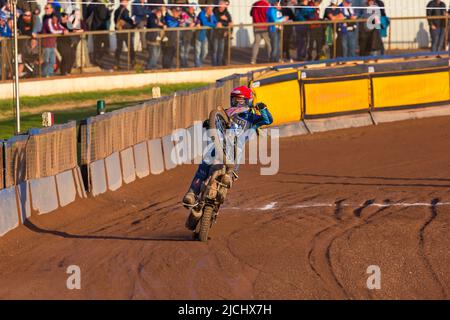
(243, 117)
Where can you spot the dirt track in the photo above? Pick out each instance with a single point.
(309, 232)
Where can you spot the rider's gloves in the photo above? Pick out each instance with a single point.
(206, 124)
(260, 106)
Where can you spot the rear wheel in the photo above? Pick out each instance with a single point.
(205, 223)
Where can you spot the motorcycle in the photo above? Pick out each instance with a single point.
(214, 190)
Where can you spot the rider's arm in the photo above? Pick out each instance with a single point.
(261, 120)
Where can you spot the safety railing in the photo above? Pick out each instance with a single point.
(139, 50)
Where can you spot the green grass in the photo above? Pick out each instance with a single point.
(116, 99)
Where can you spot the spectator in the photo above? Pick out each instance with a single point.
(30, 60)
(274, 15)
(140, 12)
(188, 19)
(57, 10)
(332, 13)
(154, 21)
(259, 15)
(348, 31)
(98, 18)
(316, 32)
(67, 46)
(26, 5)
(207, 19)
(171, 20)
(37, 20)
(82, 50)
(288, 10)
(437, 26)
(25, 28)
(51, 25)
(303, 13)
(123, 21)
(6, 11)
(5, 26)
(370, 42)
(220, 36)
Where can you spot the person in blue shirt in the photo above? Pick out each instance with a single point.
(348, 31)
(274, 15)
(5, 28)
(207, 19)
(169, 47)
(303, 13)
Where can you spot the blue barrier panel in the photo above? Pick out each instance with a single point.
(9, 216)
(44, 198)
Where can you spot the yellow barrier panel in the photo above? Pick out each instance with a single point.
(329, 98)
(409, 90)
(282, 98)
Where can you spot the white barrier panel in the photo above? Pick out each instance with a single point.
(155, 156)
(97, 175)
(66, 187)
(340, 122)
(9, 217)
(183, 143)
(113, 171)
(128, 169)
(44, 196)
(79, 183)
(23, 192)
(141, 160)
(169, 153)
(196, 132)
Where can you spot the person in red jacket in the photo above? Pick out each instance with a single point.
(259, 15)
(316, 32)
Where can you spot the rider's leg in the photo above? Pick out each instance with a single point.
(190, 198)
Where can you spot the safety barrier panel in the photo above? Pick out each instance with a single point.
(410, 84)
(41, 174)
(280, 90)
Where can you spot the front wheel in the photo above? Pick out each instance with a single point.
(205, 223)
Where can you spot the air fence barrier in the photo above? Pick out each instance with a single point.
(44, 169)
(41, 174)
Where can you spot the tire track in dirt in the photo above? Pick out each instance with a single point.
(422, 253)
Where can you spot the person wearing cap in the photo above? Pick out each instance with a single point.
(436, 8)
(172, 21)
(274, 15)
(259, 15)
(348, 31)
(207, 19)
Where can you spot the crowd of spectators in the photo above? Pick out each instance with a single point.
(311, 41)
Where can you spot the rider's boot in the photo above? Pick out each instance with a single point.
(190, 198)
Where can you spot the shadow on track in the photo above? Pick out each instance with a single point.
(63, 234)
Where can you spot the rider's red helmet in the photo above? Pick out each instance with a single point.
(241, 96)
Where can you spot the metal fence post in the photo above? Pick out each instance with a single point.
(334, 40)
(281, 41)
(81, 44)
(41, 59)
(128, 50)
(446, 31)
(229, 45)
(178, 50)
